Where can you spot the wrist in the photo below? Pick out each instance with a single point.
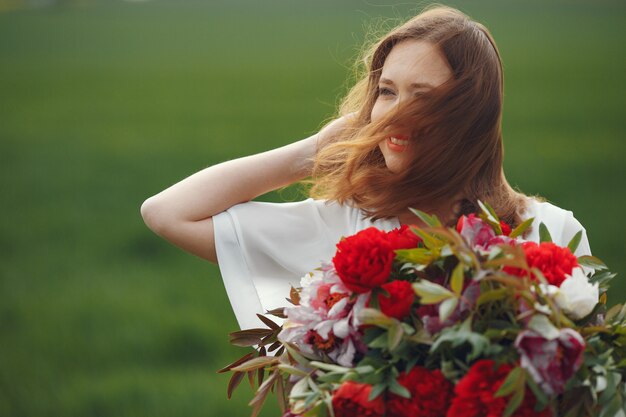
(304, 156)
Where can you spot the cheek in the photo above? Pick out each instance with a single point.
(377, 111)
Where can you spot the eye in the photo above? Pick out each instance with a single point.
(384, 91)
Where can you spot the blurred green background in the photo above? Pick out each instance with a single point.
(104, 103)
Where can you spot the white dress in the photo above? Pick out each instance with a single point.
(264, 248)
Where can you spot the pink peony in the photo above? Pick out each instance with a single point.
(475, 230)
(325, 324)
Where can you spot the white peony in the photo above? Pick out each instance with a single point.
(577, 296)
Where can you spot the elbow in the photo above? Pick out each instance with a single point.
(154, 215)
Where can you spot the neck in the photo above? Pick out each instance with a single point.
(444, 215)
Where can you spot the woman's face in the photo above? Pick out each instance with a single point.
(412, 67)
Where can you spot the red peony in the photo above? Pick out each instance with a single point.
(431, 394)
(506, 229)
(351, 400)
(475, 394)
(363, 261)
(553, 261)
(398, 303)
(403, 238)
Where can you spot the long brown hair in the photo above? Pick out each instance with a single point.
(457, 128)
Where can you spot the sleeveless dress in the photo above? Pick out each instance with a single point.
(264, 248)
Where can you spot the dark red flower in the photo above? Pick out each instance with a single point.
(431, 394)
(363, 261)
(551, 362)
(553, 261)
(351, 400)
(403, 238)
(475, 394)
(398, 303)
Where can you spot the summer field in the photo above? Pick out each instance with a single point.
(103, 104)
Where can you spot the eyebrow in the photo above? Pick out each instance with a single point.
(413, 85)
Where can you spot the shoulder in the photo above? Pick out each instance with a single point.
(543, 209)
(561, 223)
(308, 217)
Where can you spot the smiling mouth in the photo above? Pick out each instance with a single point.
(398, 143)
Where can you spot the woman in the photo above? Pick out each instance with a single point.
(421, 129)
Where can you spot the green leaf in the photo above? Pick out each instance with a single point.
(394, 336)
(602, 278)
(376, 391)
(514, 402)
(430, 241)
(542, 398)
(458, 278)
(364, 369)
(420, 256)
(300, 389)
(613, 312)
(329, 367)
(614, 407)
(446, 308)
(293, 352)
(592, 262)
(375, 317)
(489, 212)
(542, 325)
(458, 335)
(292, 370)
(431, 221)
(519, 230)
(612, 382)
(431, 293)
(493, 295)
(489, 215)
(334, 377)
(573, 244)
(398, 389)
(380, 342)
(511, 382)
(544, 233)
(408, 329)
(319, 410)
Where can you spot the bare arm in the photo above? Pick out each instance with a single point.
(182, 213)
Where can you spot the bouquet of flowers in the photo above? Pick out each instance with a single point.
(432, 321)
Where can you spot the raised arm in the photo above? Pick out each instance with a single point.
(182, 213)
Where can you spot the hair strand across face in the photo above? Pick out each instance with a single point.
(456, 126)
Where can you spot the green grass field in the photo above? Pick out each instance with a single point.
(103, 104)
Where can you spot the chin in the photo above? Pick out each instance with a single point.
(390, 166)
(393, 163)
